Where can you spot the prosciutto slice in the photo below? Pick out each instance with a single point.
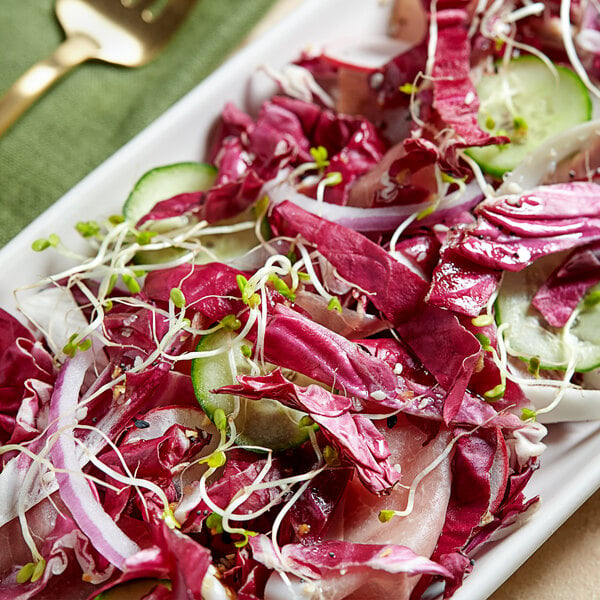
(413, 448)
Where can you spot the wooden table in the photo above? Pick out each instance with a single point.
(567, 566)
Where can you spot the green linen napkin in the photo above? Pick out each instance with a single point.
(97, 108)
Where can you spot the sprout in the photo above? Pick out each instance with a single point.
(88, 229)
(496, 392)
(331, 456)
(282, 287)
(177, 298)
(334, 304)
(116, 219)
(408, 88)
(592, 298)
(214, 522)
(485, 342)
(220, 419)
(385, 516)
(231, 322)
(254, 301)
(306, 421)
(31, 571)
(249, 296)
(483, 320)
(215, 460)
(534, 365)
(131, 283)
(143, 238)
(246, 534)
(520, 125)
(527, 414)
(74, 344)
(332, 178)
(40, 245)
(170, 520)
(320, 157)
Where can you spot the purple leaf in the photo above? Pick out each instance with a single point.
(447, 350)
(328, 357)
(567, 285)
(333, 557)
(355, 436)
(392, 287)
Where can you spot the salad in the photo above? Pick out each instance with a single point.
(321, 361)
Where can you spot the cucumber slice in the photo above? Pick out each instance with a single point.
(529, 103)
(264, 422)
(529, 336)
(222, 247)
(165, 182)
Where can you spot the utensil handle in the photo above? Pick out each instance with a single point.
(41, 76)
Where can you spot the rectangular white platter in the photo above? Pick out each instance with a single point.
(570, 468)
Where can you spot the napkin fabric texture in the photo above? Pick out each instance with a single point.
(98, 107)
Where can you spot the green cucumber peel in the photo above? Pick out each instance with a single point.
(529, 102)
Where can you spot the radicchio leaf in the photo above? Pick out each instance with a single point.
(335, 557)
(223, 201)
(211, 290)
(173, 556)
(481, 480)
(561, 293)
(154, 460)
(70, 561)
(511, 232)
(454, 94)
(354, 436)
(26, 372)
(447, 349)
(328, 357)
(392, 287)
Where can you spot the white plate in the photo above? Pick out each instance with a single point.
(570, 470)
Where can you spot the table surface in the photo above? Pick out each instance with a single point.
(567, 566)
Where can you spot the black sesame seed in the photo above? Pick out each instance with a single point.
(141, 424)
(391, 421)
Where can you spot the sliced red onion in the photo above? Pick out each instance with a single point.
(76, 493)
(55, 312)
(385, 218)
(542, 162)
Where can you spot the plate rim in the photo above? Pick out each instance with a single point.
(497, 562)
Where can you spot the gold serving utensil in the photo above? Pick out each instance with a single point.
(124, 32)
